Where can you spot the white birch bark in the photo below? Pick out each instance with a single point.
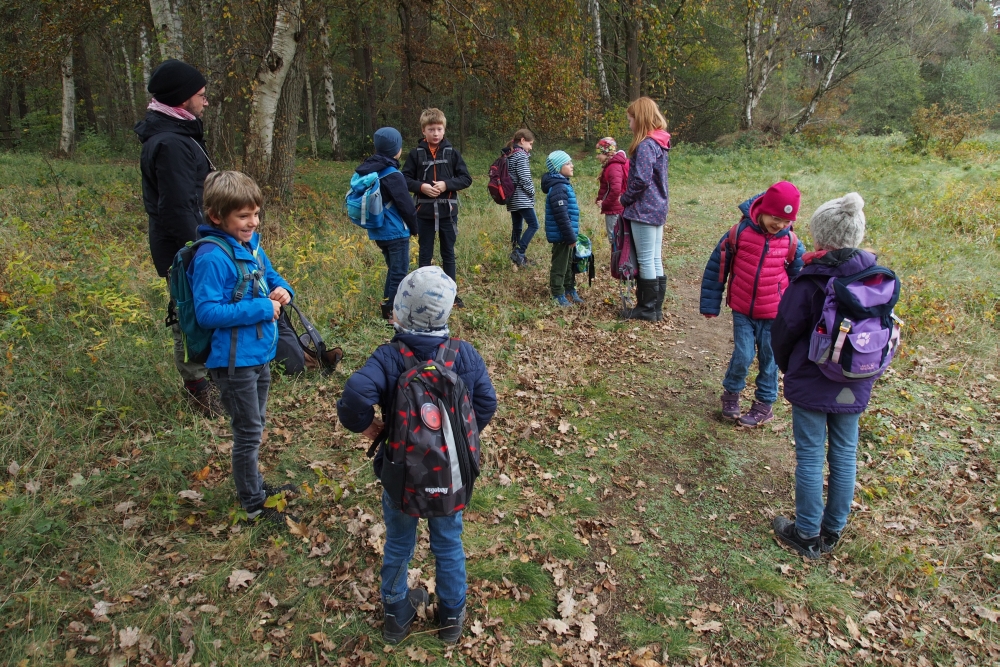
(834, 61)
(311, 109)
(169, 30)
(68, 135)
(147, 60)
(602, 79)
(130, 80)
(331, 102)
(270, 78)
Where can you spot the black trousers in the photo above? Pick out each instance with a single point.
(448, 232)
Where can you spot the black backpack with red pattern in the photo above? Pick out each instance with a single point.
(429, 457)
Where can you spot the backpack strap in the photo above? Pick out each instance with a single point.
(793, 249)
(447, 352)
(244, 279)
(729, 245)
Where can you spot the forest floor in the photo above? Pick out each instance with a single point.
(619, 520)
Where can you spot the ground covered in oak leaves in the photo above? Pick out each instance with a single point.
(618, 521)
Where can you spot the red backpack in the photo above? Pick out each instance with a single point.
(501, 185)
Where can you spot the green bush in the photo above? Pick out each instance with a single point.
(884, 98)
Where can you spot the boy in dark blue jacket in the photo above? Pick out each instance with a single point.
(245, 336)
(421, 309)
(393, 237)
(562, 224)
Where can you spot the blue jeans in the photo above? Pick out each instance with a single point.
(446, 544)
(648, 246)
(397, 264)
(811, 430)
(244, 394)
(518, 241)
(748, 333)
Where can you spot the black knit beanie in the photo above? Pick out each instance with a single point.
(174, 82)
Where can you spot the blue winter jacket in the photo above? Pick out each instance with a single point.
(373, 383)
(400, 219)
(213, 278)
(562, 215)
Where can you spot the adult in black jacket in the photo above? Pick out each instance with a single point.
(435, 172)
(174, 164)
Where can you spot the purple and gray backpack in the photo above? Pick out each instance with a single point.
(429, 459)
(857, 333)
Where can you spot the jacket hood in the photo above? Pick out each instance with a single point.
(618, 158)
(423, 144)
(154, 123)
(662, 137)
(210, 230)
(843, 262)
(551, 180)
(745, 210)
(376, 163)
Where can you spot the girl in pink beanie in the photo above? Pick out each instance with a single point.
(753, 264)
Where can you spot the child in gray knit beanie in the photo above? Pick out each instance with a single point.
(839, 223)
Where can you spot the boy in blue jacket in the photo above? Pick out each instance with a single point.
(393, 237)
(562, 224)
(245, 336)
(421, 309)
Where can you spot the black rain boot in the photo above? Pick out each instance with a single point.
(450, 621)
(645, 301)
(661, 292)
(386, 309)
(399, 615)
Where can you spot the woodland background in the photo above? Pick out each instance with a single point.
(322, 74)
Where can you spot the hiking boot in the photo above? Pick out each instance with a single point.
(760, 414)
(386, 309)
(275, 490)
(517, 258)
(645, 301)
(561, 301)
(399, 615)
(573, 296)
(827, 539)
(207, 401)
(661, 292)
(788, 535)
(731, 405)
(458, 302)
(269, 515)
(450, 621)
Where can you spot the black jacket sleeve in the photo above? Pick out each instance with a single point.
(395, 188)
(411, 172)
(460, 177)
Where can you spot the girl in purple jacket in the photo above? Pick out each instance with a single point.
(645, 200)
(822, 410)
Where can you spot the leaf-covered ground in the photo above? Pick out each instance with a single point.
(619, 520)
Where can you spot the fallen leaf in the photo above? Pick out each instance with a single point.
(297, 529)
(32, 486)
(644, 657)
(125, 507)
(988, 614)
(192, 495)
(477, 628)
(785, 569)
(679, 489)
(588, 629)
(418, 654)
(318, 637)
(567, 605)
(13, 468)
(128, 637)
(708, 626)
(992, 557)
(202, 474)
(555, 625)
(505, 480)
(240, 579)
(563, 427)
(852, 628)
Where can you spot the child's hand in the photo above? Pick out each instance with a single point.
(281, 295)
(597, 201)
(277, 309)
(440, 186)
(373, 430)
(430, 189)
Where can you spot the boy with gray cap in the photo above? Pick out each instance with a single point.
(423, 304)
(393, 237)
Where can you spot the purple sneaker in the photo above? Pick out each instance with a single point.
(730, 405)
(760, 414)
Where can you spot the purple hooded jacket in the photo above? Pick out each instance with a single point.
(801, 305)
(646, 198)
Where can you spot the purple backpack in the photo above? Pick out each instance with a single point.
(857, 333)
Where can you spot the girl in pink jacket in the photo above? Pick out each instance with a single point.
(753, 264)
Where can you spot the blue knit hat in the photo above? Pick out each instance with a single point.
(423, 302)
(556, 160)
(388, 141)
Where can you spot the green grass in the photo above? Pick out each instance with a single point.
(91, 412)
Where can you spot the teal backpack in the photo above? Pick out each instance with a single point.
(583, 257)
(364, 199)
(197, 339)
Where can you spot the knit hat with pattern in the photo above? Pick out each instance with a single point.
(556, 160)
(423, 302)
(839, 223)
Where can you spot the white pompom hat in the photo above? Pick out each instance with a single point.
(839, 223)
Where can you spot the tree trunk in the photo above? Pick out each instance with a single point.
(22, 102)
(147, 60)
(169, 32)
(833, 62)
(259, 147)
(363, 66)
(286, 131)
(408, 96)
(602, 79)
(6, 129)
(130, 82)
(759, 44)
(213, 74)
(331, 102)
(82, 72)
(311, 110)
(633, 66)
(67, 139)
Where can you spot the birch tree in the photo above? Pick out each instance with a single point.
(67, 139)
(331, 101)
(768, 27)
(271, 74)
(602, 79)
(169, 32)
(147, 59)
(311, 110)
